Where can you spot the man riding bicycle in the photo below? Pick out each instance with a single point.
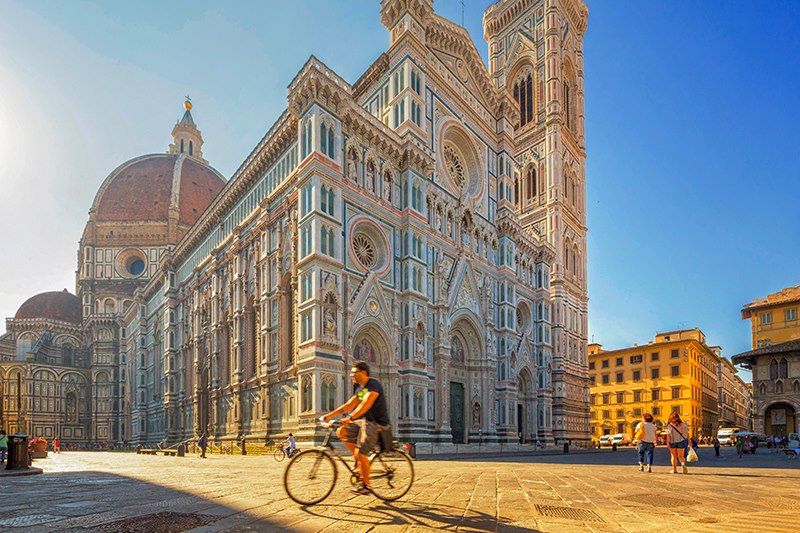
(368, 416)
(291, 445)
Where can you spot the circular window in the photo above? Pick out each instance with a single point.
(365, 250)
(454, 163)
(136, 267)
(131, 263)
(368, 247)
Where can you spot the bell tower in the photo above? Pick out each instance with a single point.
(536, 59)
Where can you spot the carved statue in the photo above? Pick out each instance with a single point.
(329, 321)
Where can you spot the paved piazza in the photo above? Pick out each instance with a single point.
(597, 491)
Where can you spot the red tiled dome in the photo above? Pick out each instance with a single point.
(142, 190)
(55, 305)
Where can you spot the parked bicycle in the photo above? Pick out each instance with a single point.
(311, 475)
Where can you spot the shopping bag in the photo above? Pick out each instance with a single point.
(691, 455)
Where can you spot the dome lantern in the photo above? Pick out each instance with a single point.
(186, 137)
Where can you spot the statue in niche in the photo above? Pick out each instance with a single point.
(419, 353)
(329, 321)
(476, 415)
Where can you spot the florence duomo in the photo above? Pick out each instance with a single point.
(427, 218)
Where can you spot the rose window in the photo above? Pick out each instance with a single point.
(454, 164)
(365, 250)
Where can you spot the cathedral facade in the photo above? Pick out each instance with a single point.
(428, 218)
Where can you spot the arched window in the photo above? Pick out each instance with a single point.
(530, 179)
(324, 197)
(67, 352)
(191, 148)
(783, 368)
(108, 306)
(567, 105)
(307, 396)
(516, 191)
(181, 145)
(773, 369)
(328, 395)
(326, 140)
(523, 95)
(796, 386)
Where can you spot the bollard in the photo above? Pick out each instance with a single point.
(244, 446)
(181, 450)
(613, 446)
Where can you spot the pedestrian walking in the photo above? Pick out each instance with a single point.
(677, 439)
(203, 443)
(56, 445)
(715, 442)
(3, 445)
(644, 436)
(739, 446)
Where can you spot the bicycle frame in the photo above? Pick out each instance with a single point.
(328, 446)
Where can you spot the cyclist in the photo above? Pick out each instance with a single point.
(368, 416)
(291, 445)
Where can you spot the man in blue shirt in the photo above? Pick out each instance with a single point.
(368, 416)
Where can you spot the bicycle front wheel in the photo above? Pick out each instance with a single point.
(279, 454)
(310, 477)
(391, 475)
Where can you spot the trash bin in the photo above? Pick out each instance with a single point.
(566, 447)
(181, 450)
(17, 453)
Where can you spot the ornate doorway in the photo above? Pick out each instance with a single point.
(457, 412)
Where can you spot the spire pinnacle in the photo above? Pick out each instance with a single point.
(186, 137)
(187, 104)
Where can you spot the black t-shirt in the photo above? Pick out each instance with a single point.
(378, 413)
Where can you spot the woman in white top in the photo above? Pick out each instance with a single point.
(645, 439)
(677, 435)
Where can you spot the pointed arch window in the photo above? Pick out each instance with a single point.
(773, 369)
(530, 179)
(783, 368)
(523, 95)
(191, 148)
(516, 190)
(326, 140)
(181, 145)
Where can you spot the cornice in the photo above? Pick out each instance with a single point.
(500, 14)
(317, 82)
(375, 71)
(392, 10)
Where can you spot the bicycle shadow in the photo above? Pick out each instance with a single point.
(415, 514)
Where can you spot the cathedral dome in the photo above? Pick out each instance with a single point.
(54, 305)
(147, 188)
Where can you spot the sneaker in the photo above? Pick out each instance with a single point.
(685, 470)
(641, 468)
(362, 490)
(649, 468)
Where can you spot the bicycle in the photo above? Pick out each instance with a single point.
(311, 475)
(280, 454)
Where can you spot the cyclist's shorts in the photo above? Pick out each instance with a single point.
(364, 434)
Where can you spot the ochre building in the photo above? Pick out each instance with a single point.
(774, 318)
(428, 218)
(676, 372)
(774, 361)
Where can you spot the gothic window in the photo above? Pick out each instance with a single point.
(328, 394)
(567, 114)
(181, 145)
(305, 140)
(783, 368)
(191, 148)
(773, 369)
(307, 396)
(796, 386)
(326, 140)
(530, 179)
(516, 190)
(416, 196)
(418, 405)
(326, 241)
(326, 200)
(523, 95)
(67, 352)
(71, 405)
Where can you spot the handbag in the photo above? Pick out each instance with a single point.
(691, 456)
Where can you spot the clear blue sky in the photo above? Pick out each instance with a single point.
(692, 113)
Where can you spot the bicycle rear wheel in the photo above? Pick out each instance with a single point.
(391, 475)
(279, 454)
(310, 477)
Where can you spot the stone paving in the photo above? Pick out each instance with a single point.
(600, 491)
